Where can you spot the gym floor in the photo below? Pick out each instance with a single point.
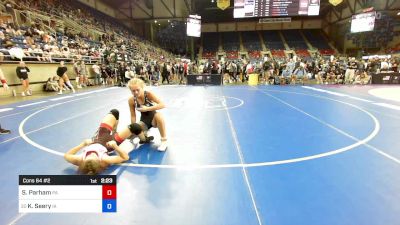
(272, 155)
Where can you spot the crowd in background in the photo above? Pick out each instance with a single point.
(323, 70)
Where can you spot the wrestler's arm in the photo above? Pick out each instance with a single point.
(121, 156)
(131, 103)
(71, 156)
(159, 104)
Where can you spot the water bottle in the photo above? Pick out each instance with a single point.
(14, 93)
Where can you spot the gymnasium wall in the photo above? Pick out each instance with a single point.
(39, 74)
(253, 25)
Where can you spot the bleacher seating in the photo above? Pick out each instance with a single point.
(208, 55)
(294, 39)
(251, 41)
(394, 50)
(316, 39)
(230, 41)
(84, 37)
(232, 54)
(303, 53)
(278, 53)
(254, 54)
(210, 42)
(327, 51)
(272, 40)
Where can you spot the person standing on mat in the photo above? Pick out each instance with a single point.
(62, 73)
(97, 152)
(147, 103)
(22, 73)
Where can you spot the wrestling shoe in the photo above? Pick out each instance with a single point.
(4, 131)
(148, 140)
(163, 146)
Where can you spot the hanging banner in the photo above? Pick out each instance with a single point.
(335, 2)
(223, 4)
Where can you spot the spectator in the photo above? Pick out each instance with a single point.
(97, 74)
(22, 74)
(129, 74)
(165, 74)
(83, 73)
(362, 78)
(62, 73)
(52, 84)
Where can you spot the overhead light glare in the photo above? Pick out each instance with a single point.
(335, 2)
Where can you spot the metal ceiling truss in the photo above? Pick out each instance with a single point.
(165, 5)
(143, 10)
(389, 5)
(352, 10)
(188, 6)
(154, 18)
(170, 8)
(355, 6)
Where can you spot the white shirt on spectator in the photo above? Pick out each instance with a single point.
(96, 69)
(129, 74)
(384, 65)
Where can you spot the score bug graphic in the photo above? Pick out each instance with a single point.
(67, 193)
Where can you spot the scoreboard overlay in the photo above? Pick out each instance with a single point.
(67, 193)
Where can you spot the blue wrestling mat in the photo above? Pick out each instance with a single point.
(238, 155)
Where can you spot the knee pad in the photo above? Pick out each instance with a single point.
(135, 128)
(115, 113)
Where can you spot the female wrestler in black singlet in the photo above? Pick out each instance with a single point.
(147, 103)
(146, 117)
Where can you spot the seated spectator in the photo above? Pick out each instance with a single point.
(52, 84)
(64, 41)
(362, 78)
(385, 65)
(46, 38)
(46, 56)
(37, 52)
(7, 42)
(65, 53)
(39, 32)
(55, 52)
(16, 53)
(29, 40)
(286, 74)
